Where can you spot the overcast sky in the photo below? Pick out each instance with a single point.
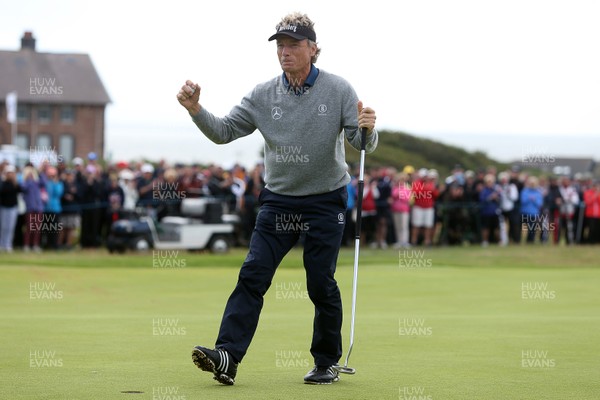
(507, 77)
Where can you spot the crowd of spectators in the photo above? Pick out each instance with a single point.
(416, 207)
(64, 206)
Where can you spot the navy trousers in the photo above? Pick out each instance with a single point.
(279, 224)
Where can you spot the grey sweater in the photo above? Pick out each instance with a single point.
(304, 134)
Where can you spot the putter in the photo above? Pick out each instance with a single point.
(345, 369)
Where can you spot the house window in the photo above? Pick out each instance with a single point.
(22, 141)
(66, 147)
(44, 114)
(43, 151)
(67, 114)
(43, 141)
(23, 112)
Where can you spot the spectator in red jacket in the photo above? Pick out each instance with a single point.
(369, 211)
(591, 198)
(424, 193)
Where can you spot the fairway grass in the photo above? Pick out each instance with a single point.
(447, 323)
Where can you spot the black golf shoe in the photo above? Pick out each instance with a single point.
(321, 376)
(217, 361)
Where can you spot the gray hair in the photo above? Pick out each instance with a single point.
(299, 19)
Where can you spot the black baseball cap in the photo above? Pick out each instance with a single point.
(297, 32)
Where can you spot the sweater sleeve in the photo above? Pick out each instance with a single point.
(353, 137)
(353, 133)
(238, 123)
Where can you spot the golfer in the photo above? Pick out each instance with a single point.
(303, 115)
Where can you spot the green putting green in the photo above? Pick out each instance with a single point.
(441, 323)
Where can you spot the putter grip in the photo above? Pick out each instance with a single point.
(361, 183)
(363, 138)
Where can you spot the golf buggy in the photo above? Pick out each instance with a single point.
(202, 225)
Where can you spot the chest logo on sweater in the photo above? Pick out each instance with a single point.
(276, 113)
(322, 109)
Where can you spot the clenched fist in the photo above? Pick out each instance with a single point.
(189, 97)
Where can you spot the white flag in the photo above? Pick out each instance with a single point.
(11, 107)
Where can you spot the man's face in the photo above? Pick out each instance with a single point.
(294, 55)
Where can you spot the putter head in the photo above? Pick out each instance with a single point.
(344, 369)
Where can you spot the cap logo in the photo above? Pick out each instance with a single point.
(288, 28)
(298, 32)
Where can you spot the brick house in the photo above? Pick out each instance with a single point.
(61, 101)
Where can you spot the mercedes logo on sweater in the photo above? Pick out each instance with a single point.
(276, 112)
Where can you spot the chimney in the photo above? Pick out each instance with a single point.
(28, 41)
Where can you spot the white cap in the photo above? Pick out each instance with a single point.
(77, 161)
(10, 168)
(126, 174)
(147, 168)
(422, 173)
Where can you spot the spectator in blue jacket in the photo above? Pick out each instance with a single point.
(52, 226)
(32, 186)
(349, 228)
(532, 201)
(489, 197)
